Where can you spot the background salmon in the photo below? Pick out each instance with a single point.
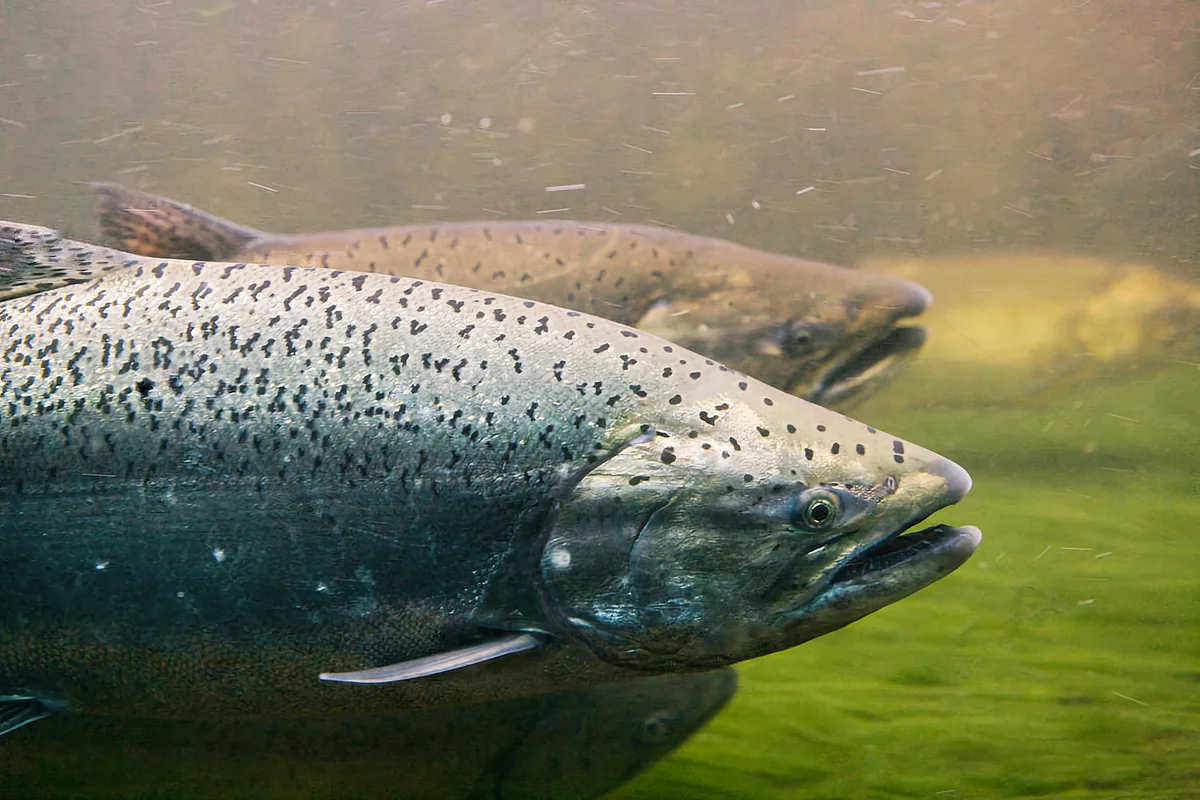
(821, 332)
(573, 745)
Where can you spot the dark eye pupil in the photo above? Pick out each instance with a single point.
(820, 511)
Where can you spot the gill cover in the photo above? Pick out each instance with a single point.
(493, 644)
(631, 568)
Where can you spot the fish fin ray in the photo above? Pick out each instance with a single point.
(157, 227)
(17, 712)
(439, 662)
(34, 259)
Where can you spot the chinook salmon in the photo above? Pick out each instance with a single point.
(572, 745)
(221, 482)
(821, 332)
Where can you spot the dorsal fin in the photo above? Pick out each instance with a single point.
(156, 227)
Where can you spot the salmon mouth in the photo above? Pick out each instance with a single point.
(882, 573)
(869, 365)
(941, 547)
(907, 559)
(877, 571)
(868, 360)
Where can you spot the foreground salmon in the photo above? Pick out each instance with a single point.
(245, 490)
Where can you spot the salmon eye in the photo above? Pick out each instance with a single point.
(820, 510)
(801, 338)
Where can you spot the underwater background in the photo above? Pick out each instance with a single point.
(1003, 153)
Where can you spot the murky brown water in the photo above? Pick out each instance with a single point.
(1062, 660)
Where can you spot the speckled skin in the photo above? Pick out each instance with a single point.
(787, 321)
(218, 480)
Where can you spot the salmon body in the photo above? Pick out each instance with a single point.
(822, 332)
(239, 490)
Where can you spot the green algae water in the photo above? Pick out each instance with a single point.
(1063, 660)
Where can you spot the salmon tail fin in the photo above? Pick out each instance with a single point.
(153, 226)
(35, 259)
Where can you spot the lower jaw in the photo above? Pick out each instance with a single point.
(898, 567)
(841, 385)
(858, 386)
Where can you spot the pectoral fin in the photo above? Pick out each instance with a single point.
(16, 712)
(441, 662)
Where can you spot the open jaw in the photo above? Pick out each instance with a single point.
(887, 571)
(941, 547)
(867, 365)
